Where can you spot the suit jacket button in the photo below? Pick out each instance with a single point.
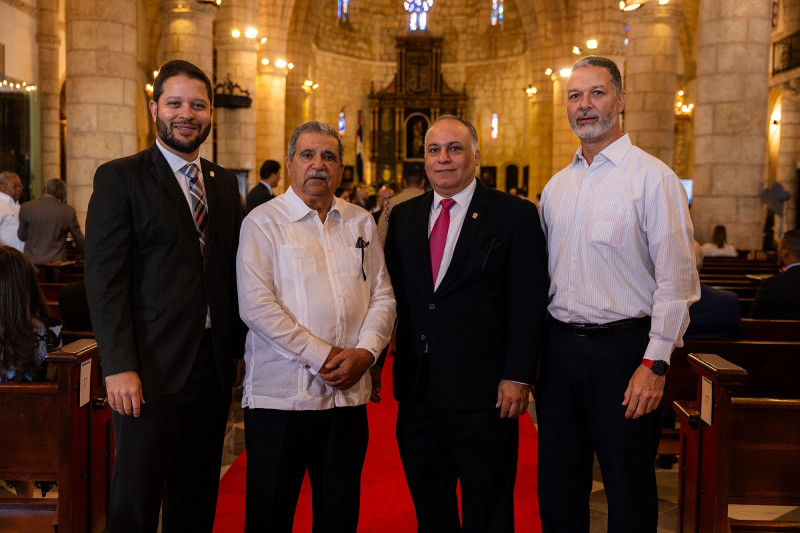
(422, 337)
(431, 306)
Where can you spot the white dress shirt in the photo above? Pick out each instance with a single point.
(302, 291)
(9, 222)
(621, 244)
(458, 213)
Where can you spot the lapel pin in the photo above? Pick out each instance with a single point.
(211, 174)
(474, 216)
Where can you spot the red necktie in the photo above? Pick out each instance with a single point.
(438, 236)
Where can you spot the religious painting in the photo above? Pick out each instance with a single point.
(415, 137)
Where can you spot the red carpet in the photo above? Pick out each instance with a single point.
(385, 501)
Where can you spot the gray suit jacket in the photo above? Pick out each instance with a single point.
(43, 225)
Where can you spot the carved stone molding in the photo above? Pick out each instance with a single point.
(44, 39)
(25, 8)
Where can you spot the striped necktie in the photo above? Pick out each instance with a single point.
(198, 195)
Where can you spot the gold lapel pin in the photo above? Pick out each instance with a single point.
(211, 174)
(474, 216)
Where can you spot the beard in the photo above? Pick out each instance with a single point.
(604, 124)
(185, 147)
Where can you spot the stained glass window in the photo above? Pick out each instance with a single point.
(418, 14)
(343, 10)
(494, 125)
(497, 12)
(341, 123)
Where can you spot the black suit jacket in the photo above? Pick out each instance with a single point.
(485, 322)
(147, 282)
(258, 195)
(778, 297)
(715, 316)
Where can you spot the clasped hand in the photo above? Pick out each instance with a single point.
(343, 368)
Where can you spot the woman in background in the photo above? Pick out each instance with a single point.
(27, 332)
(719, 246)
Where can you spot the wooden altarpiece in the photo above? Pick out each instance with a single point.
(401, 113)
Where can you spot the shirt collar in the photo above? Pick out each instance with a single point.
(265, 184)
(176, 163)
(462, 198)
(787, 267)
(298, 208)
(614, 152)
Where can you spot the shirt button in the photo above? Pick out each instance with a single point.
(431, 306)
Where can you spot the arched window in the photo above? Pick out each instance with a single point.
(343, 11)
(494, 125)
(418, 14)
(497, 12)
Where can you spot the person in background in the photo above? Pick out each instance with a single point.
(413, 186)
(382, 200)
(778, 297)
(27, 333)
(716, 314)
(314, 291)
(45, 222)
(270, 176)
(719, 245)
(361, 196)
(163, 229)
(622, 277)
(343, 193)
(10, 192)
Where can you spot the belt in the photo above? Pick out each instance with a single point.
(586, 330)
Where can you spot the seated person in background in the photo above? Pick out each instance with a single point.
(778, 297)
(343, 193)
(715, 316)
(27, 332)
(719, 246)
(45, 222)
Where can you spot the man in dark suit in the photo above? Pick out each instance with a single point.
(779, 296)
(45, 222)
(716, 314)
(469, 270)
(262, 192)
(163, 229)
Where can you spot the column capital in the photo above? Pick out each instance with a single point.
(47, 40)
(229, 42)
(183, 8)
(652, 13)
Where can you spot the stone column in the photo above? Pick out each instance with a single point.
(237, 57)
(650, 75)
(187, 33)
(271, 141)
(789, 151)
(101, 90)
(49, 90)
(733, 40)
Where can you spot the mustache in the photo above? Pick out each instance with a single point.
(586, 114)
(317, 174)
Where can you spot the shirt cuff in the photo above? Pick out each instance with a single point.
(371, 343)
(316, 353)
(658, 350)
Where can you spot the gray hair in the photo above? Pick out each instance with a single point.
(473, 133)
(56, 187)
(314, 127)
(6, 175)
(602, 62)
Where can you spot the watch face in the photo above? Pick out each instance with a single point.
(660, 367)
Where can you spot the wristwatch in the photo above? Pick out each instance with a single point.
(659, 368)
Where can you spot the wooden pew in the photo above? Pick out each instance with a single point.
(773, 370)
(759, 329)
(48, 436)
(60, 271)
(749, 454)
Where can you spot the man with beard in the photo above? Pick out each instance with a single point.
(162, 232)
(622, 277)
(316, 296)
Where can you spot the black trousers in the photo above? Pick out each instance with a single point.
(478, 450)
(172, 452)
(281, 445)
(579, 408)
